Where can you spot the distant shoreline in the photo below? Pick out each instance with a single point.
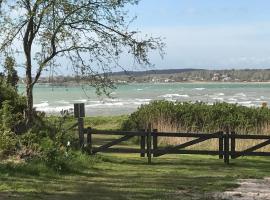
(196, 82)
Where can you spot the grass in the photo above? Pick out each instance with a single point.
(127, 176)
(99, 122)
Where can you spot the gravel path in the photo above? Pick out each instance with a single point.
(249, 189)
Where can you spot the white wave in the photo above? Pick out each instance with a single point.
(199, 89)
(106, 104)
(143, 100)
(139, 89)
(62, 102)
(240, 94)
(41, 105)
(218, 98)
(220, 94)
(245, 103)
(81, 100)
(232, 99)
(54, 109)
(174, 95)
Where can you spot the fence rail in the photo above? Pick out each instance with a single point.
(149, 143)
(148, 146)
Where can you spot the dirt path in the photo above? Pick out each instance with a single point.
(249, 189)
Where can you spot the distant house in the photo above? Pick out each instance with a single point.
(227, 78)
(216, 77)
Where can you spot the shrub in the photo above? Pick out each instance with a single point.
(8, 142)
(199, 117)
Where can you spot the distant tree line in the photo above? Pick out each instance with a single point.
(174, 75)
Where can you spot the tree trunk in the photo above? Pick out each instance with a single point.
(29, 109)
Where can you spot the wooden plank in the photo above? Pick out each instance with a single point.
(107, 132)
(221, 145)
(251, 149)
(248, 137)
(201, 135)
(149, 152)
(253, 153)
(89, 141)
(143, 138)
(155, 142)
(80, 132)
(196, 152)
(232, 153)
(226, 148)
(120, 150)
(112, 143)
(187, 144)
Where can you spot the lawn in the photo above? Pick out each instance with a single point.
(127, 176)
(130, 177)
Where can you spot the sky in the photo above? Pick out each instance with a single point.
(212, 34)
(208, 34)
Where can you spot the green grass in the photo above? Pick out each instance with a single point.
(99, 122)
(127, 176)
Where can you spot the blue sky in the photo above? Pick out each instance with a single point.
(207, 33)
(210, 34)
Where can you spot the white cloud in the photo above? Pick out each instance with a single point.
(215, 46)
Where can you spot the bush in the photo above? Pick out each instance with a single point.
(8, 142)
(199, 117)
(12, 106)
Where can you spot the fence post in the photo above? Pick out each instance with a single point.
(143, 144)
(81, 130)
(149, 144)
(221, 143)
(89, 140)
(155, 142)
(79, 112)
(226, 148)
(233, 145)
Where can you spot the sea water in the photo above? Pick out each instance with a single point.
(127, 98)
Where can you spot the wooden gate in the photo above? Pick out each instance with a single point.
(149, 141)
(148, 145)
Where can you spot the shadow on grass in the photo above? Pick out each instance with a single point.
(117, 177)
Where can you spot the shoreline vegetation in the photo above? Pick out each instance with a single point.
(188, 75)
(118, 176)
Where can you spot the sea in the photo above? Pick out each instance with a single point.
(126, 98)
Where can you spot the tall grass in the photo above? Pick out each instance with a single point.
(199, 117)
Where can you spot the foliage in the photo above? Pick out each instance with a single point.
(10, 72)
(90, 35)
(12, 106)
(8, 143)
(187, 116)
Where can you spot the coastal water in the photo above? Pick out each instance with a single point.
(126, 98)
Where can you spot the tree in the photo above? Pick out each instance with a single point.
(90, 35)
(11, 75)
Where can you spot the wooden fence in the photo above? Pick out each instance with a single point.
(149, 142)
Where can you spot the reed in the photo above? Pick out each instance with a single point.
(200, 117)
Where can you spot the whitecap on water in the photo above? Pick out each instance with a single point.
(240, 94)
(174, 95)
(42, 104)
(62, 102)
(199, 88)
(81, 100)
(54, 109)
(218, 98)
